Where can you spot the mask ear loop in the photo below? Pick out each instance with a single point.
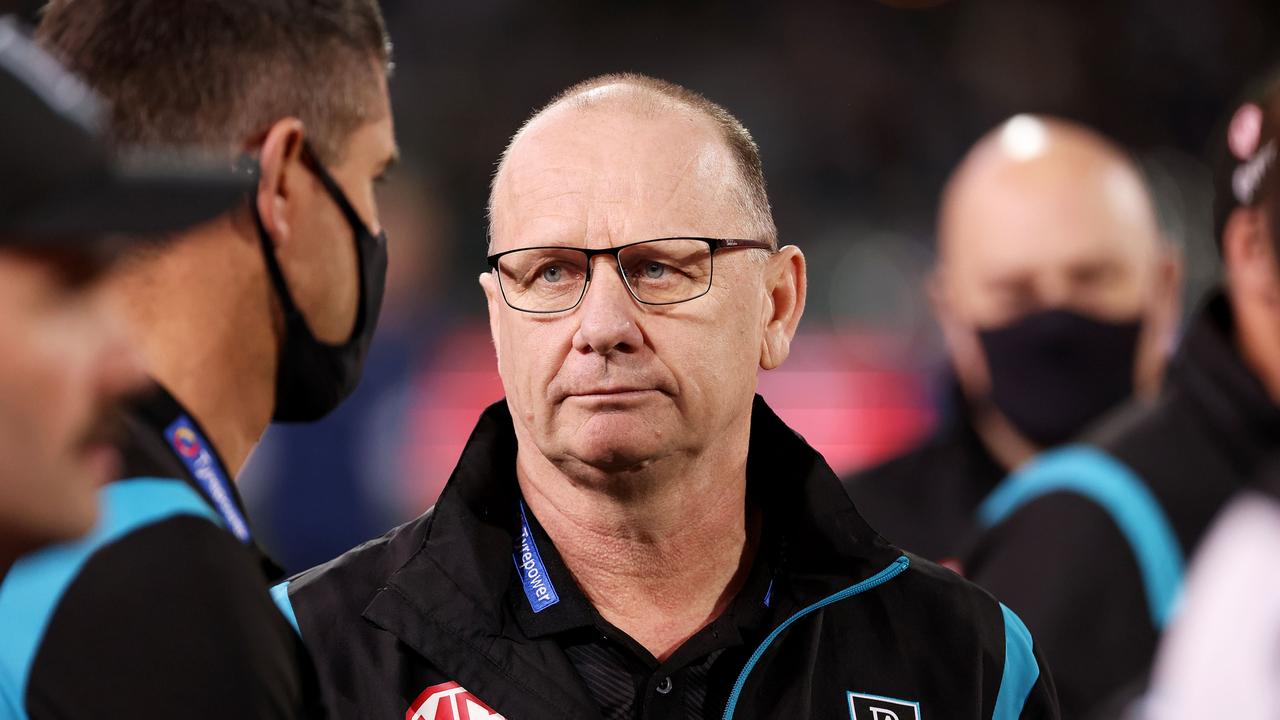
(312, 162)
(250, 166)
(358, 228)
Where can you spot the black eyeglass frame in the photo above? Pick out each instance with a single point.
(713, 244)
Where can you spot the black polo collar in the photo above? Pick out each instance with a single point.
(573, 612)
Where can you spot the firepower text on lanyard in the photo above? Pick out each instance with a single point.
(194, 451)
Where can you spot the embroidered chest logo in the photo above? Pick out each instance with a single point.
(449, 701)
(877, 707)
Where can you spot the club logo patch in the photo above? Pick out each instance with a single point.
(186, 443)
(449, 701)
(877, 707)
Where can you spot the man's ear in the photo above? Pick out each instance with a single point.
(493, 295)
(963, 350)
(1172, 272)
(786, 284)
(279, 162)
(1160, 322)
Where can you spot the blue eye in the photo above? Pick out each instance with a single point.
(654, 270)
(553, 273)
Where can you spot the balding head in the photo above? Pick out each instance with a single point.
(1044, 214)
(647, 98)
(1040, 213)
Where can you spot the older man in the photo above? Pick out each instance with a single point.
(633, 533)
(1058, 298)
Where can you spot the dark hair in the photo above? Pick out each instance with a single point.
(737, 138)
(217, 74)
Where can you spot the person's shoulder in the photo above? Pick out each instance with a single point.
(968, 616)
(948, 593)
(1156, 439)
(149, 528)
(158, 615)
(343, 586)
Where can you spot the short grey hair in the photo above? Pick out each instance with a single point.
(737, 138)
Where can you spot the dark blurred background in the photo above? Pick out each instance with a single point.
(861, 108)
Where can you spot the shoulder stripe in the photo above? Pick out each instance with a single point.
(1021, 671)
(280, 593)
(34, 586)
(1092, 473)
(891, 571)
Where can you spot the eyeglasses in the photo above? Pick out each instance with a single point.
(665, 271)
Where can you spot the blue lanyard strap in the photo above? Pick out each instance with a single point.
(194, 451)
(533, 573)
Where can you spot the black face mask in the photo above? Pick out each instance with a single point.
(1055, 371)
(313, 377)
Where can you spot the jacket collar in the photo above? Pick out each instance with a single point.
(147, 452)
(1234, 406)
(450, 600)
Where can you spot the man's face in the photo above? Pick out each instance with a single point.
(612, 384)
(65, 363)
(322, 264)
(1080, 238)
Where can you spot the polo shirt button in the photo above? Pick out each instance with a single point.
(664, 686)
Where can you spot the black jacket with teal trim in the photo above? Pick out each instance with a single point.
(1088, 543)
(426, 606)
(160, 612)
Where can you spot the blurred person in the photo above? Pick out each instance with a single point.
(67, 363)
(1219, 655)
(1089, 542)
(1058, 299)
(264, 312)
(632, 532)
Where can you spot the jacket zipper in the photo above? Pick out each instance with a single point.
(890, 572)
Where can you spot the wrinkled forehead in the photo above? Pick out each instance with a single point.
(609, 174)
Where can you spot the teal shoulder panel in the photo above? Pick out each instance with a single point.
(31, 591)
(280, 593)
(1021, 671)
(1092, 473)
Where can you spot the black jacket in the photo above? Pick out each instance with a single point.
(161, 612)
(427, 611)
(926, 499)
(1089, 542)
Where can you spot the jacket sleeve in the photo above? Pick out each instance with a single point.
(170, 620)
(1068, 572)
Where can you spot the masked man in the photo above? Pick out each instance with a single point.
(1058, 300)
(1089, 542)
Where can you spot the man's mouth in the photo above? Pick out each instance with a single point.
(612, 393)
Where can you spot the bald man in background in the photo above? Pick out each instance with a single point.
(1089, 543)
(1057, 297)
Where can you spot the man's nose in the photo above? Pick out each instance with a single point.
(1054, 290)
(608, 313)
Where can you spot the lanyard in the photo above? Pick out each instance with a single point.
(193, 450)
(533, 573)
